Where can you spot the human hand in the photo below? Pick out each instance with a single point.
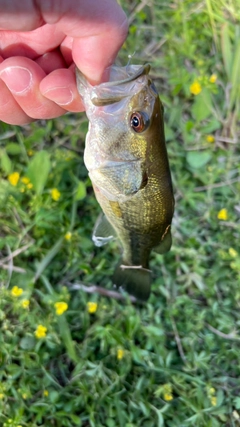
(39, 43)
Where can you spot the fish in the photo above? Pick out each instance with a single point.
(126, 157)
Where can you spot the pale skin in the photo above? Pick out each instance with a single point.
(41, 40)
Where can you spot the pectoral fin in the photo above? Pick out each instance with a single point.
(103, 231)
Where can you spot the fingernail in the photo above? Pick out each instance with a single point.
(17, 79)
(60, 95)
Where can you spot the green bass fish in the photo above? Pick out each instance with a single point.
(126, 157)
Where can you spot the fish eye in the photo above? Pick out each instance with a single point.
(139, 121)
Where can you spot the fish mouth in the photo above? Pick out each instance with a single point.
(115, 89)
(128, 73)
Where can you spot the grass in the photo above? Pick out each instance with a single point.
(93, 360)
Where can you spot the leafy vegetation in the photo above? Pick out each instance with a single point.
(73, 358)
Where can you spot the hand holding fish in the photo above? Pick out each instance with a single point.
(39, 43)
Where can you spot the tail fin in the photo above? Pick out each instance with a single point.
(133, 279)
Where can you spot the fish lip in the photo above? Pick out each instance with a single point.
(101, 95)
(142, 70)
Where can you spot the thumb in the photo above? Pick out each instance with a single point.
(98, 30)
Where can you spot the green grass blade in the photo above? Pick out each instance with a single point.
(67, 338)
(38, 170)
(235, 76)
(212, 21)
(48, 258)
(226, 46)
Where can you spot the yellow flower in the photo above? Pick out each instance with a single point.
(210, 138)
(45, 393)
(1, 396)
(92, 307)
(223, 214)
(195, 88)
(40, 332)
(68, 235)
(211, 394)
(13, 178)
(167, 397)
(60, 307)
(16, 291)
(25, 303)
(213, 78)
(213, 400)
(25, 180)
(167, 392)
(55, 194)
(24, 396)
(120, 353)
(232, 252)
(30, 153)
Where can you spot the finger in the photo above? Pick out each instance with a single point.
(10, 111)
(98, 27)
(66, 50)
(31, 44)
(60, 87)
(28, 16)
(51, 61)
(22, 77)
